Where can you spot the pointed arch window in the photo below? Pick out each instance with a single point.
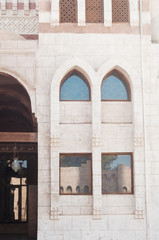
(120, 11)
(115, 87)
(68, 11)
(74, 87)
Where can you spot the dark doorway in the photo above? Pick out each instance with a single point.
(18, 162)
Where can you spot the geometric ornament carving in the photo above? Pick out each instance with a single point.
(139, 141)
(97, 214)
(139, 214)
(21, 25)
(96, 142)
(54, 213)
(55, 141)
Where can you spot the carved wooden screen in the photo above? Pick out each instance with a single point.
(120, 10)
(68, 11)
(94, 11)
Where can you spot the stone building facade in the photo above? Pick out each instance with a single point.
(38, 49)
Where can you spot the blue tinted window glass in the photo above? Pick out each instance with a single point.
(113, 89)
(74, 88)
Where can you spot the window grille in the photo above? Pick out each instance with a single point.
(68, 11)
(94, 11)
(120, 11)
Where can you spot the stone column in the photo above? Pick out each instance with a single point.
(134, 12)
(55, 149)
(3, 7)
(96, 151)
(55, 144)
(107, 13)
(81, 12)
(26, 7)
(14, 7)
(55, 13)
(139, 157)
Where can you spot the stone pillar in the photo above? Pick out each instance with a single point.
(26, 7)
(81, 12)
(3, 7)
(55, 13)
(14, 7)
(107, 13)
(134, 12)
(139, 157)
(37, 7)
(55, 150)
(96, 151)
(55, 144)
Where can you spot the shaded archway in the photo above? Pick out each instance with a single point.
(18, 189)
(15, 107)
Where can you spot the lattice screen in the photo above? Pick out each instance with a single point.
(94, 11)
(120, 10)
(68, 11)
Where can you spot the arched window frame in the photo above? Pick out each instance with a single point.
(78, 189)
(128, 14)
(124, 80)
(79, 74)
(69, 188)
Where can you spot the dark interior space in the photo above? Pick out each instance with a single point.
(15, 107)
(18, 163)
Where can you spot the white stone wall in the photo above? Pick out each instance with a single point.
(120, 131)
(60, 130)
(86, 127)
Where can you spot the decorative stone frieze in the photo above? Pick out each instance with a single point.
(21, 25)
(54, 213)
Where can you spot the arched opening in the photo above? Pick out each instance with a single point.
(18, 160)
(74, 87)
(115, 87)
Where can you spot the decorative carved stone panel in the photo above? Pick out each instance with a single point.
(55, 141)
(139, 214)
(120, 11)
(139, 141)
(54, 213)
(96, 142)
(68, 11)
(94, 11)
(97, 214)
(22, 25)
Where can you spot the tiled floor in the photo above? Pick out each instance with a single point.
(15, 237)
